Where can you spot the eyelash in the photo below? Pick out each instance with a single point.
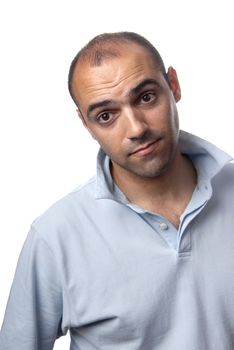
(101, 115)
(152, 94)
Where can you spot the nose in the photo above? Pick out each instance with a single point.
(136, 125)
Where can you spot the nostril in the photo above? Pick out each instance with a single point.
(141, 139)
(137, 132)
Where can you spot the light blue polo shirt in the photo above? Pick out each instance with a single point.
(119, 277)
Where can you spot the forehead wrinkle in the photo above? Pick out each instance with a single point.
(130, 93)
(107, 86)
(110, 80)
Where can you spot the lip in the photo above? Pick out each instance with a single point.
(145, 150)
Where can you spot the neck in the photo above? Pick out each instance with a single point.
(164, 194)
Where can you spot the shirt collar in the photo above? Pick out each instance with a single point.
(206, 157)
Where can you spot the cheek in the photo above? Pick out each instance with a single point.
(108, 142)
(109, 138)
(159, 117)
(165, 116)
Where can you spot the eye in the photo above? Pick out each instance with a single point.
(147, 97)
(104, 117)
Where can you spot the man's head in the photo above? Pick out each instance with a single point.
(127, 102)
(107, 46)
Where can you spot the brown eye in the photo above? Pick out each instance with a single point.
(107, 118)
(147, 97)
(104, 117)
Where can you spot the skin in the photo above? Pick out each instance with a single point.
(129, 107)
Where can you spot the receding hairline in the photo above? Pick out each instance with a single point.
(108, 46)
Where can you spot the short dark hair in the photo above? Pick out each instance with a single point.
(105, 46)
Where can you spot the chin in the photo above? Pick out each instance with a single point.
(150, 170)
(151, 174)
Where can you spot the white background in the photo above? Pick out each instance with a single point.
(45, 152)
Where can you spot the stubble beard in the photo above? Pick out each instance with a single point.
(152, 166)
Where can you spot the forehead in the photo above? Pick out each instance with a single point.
(115, 76)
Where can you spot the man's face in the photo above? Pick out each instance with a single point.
(129, 108)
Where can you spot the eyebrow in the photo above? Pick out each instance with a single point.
(135, 90)
(93, 106)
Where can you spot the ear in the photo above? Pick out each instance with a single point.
(174, 83)
(80, 115)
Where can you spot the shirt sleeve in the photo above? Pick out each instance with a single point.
(33, 315)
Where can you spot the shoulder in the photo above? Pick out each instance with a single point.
(226, 175)
(223, 184)
(61, 216)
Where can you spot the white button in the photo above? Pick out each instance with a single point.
(163, 226)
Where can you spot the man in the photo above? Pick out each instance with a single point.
(142, 255)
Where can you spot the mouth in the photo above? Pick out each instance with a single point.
(145, 150)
